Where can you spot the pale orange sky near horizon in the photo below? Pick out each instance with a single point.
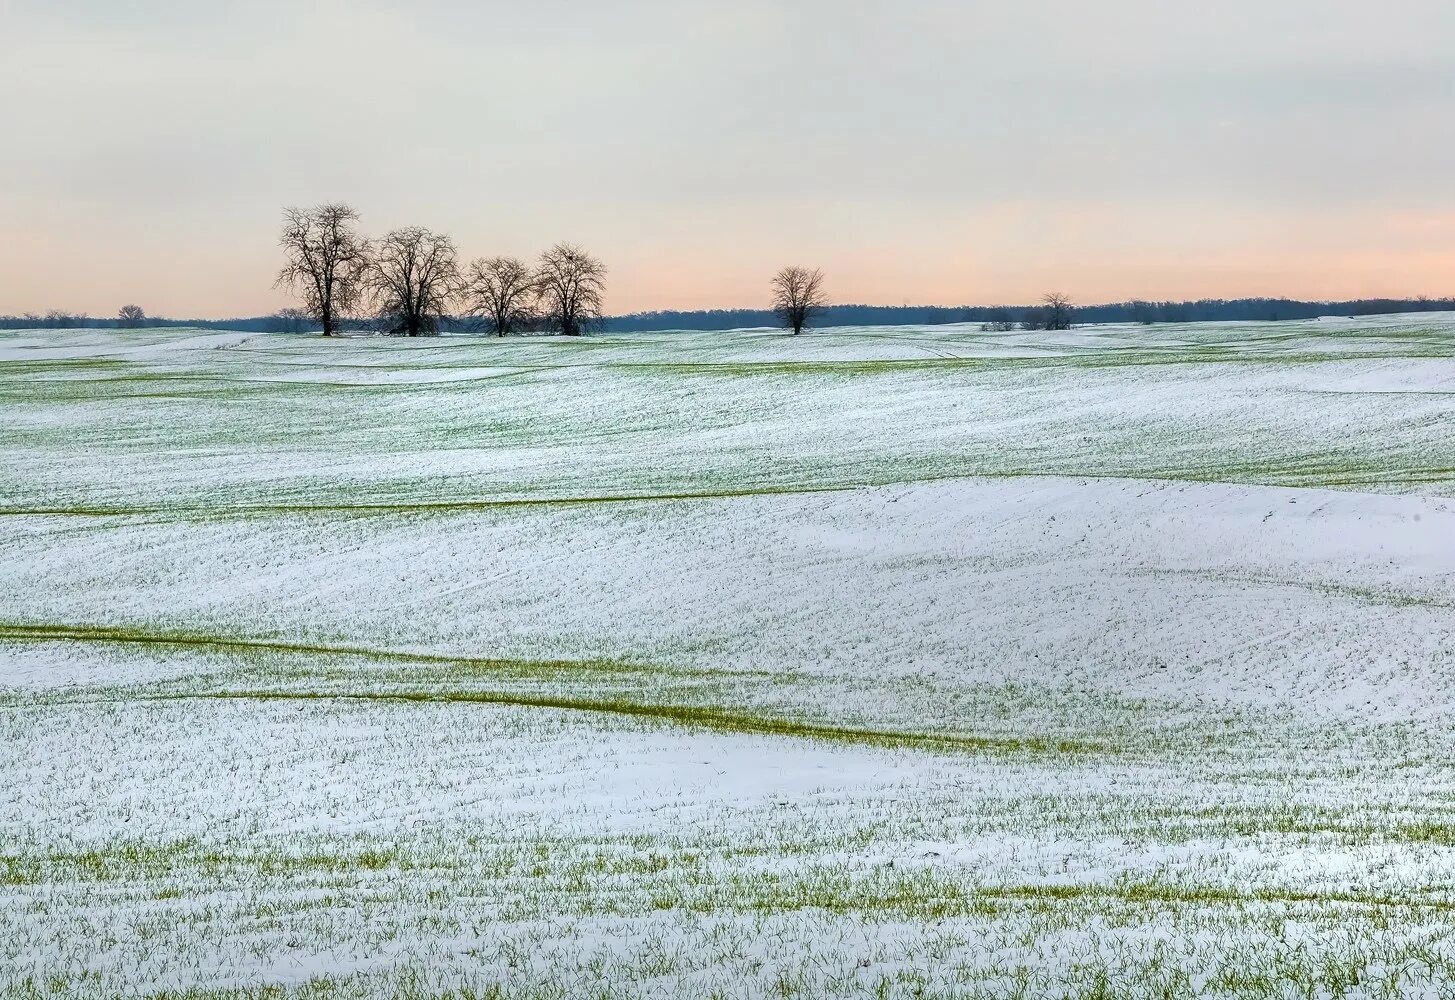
(929, 152)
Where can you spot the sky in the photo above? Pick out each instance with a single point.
(920, 151)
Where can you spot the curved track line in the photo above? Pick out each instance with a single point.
(1292, 480)
(40, 632)
(705, 717)
(433, 506)
(718, 720)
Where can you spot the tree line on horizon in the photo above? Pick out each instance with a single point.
(411, 282)
(293, 320)
(1149, 313)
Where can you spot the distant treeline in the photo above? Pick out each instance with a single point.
(61, 320)
(1200, 310)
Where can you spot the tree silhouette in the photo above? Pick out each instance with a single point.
(797, 296)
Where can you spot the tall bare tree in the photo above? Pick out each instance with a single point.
(130, 317)
(1056, 311)
(571, 284)
(503, 291)
(413, 277)
(327, 261)
(798, 296)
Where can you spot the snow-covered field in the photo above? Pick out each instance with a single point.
(874, 662)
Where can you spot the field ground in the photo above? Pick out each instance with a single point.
(875, 662)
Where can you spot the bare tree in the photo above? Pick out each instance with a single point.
(571, 283)
(327, 261)
(1056, 313)
(414, 276)
(798, 296)
(131, 317)
(503, 291)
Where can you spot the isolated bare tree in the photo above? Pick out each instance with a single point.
(413, 277)
(501, 290)
(571, 283)
(327, 261)
(130, 317)
(1056, 311)
(798, 296)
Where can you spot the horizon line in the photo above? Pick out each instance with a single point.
(1419, 298)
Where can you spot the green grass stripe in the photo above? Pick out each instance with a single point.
(701, 717)
(697, 716)
(46, 632)
(1138, 357)
(431, 506)
(1161, 892)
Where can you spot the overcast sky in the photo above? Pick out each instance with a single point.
(924, 151)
